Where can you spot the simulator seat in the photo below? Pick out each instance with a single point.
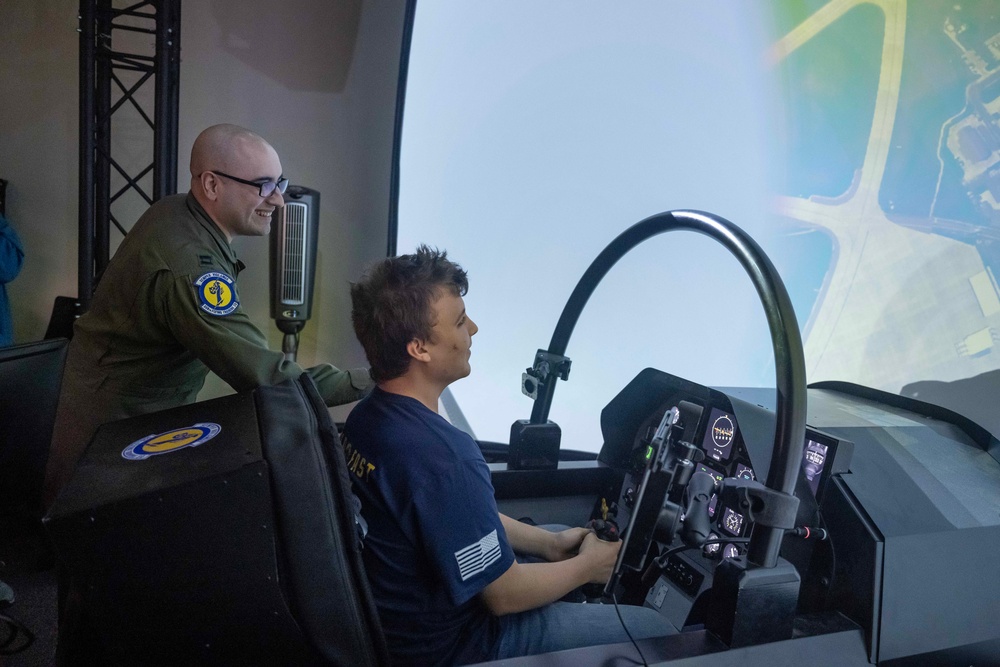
(216, 533)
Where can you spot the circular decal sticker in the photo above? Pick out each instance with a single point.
(216, 293)
(171, 441)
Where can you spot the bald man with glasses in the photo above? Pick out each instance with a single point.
(167, 309)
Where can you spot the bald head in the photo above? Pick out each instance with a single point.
(223, 147)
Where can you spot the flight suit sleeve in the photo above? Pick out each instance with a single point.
(236, 350)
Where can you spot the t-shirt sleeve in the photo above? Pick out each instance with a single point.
(464, 539)
(236, 350)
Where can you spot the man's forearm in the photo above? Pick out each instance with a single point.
(530, 585)
(525, 539)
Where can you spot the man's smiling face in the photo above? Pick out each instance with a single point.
(241, 211)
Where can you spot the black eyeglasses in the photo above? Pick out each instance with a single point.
(267, 187)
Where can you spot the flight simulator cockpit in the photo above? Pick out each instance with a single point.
(828, 525)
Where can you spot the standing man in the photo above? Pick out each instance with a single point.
(438, 554)
(167, 309)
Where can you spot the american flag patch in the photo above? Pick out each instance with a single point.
(478, 556)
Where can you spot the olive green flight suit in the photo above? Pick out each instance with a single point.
(166, 312)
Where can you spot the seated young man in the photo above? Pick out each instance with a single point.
(439, 556)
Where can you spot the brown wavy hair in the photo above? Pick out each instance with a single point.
(391, 306)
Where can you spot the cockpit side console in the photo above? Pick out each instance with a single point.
(897, 511)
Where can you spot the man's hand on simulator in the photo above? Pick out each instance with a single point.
(601, 557)
(565, 544)
(606, 530)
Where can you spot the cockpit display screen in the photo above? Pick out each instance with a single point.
(720, 435)
(732, 522)
(745, 472)
(813, 462)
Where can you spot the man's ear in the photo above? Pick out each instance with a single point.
(418, 350)
(209, 185)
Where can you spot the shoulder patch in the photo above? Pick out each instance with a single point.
(216, 293)
(478, 556)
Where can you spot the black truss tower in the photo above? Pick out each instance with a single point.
(125, 48)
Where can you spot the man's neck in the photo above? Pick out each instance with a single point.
(405, 385)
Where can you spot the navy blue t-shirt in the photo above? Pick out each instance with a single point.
(434, 534)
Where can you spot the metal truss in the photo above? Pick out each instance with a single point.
(129, 86)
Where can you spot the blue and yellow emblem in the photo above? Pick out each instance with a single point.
(171, 441)
(216, 293)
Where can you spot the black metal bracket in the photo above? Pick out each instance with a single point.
(547, 366)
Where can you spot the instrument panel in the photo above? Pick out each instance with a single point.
(725, 455)
(733, 439)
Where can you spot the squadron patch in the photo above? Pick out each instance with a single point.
(171, 441)
(216, 293)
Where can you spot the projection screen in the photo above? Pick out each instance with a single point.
(857, 142)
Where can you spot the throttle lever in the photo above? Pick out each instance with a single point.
(606, 530)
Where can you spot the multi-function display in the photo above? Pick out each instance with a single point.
(720, 435)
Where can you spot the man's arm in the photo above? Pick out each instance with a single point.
(535, 541)
(527, 586)
(236, 350)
